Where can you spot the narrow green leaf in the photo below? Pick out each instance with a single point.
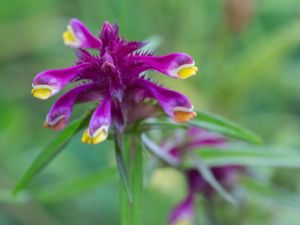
(157, 150)
(137, 180)
(269, 193)
(209, 177)
(160, 123)
(77, 186)
(207, 121)
(124, 175)
(50, 151)
(220, 125)
(122, 166)
(124, 208)
(131, 211)
(248, 156)
(6, 197)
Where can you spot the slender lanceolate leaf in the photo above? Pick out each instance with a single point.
(248, 156)
(207, 121)
(157, 150)
(270, 194)
(77, 186)
(6, 197)
(50, 151)
(205, 171)
(124, 175)
(122, 165)
(220, 125)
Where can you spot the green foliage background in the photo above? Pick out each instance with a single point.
(250, 76)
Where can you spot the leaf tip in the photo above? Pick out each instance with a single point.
(15, 191)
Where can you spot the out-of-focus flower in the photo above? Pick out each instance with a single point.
(176, 147)
(238, 13)
(183, 213)
(114, 77)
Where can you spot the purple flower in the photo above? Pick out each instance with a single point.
(195, 138)
(114, 77)
(183, 213)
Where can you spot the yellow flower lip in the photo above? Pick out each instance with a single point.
(99, 136)
(183, 114)
(187, 70)
(183, 221)
(70, 38)
(42, 91)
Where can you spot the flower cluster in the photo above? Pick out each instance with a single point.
(195, 138)
(114, 77)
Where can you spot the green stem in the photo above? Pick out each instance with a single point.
(137, 180)
(131, 210)
(124, 203)
(125, 188)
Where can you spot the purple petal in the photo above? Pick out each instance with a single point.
(50, 82)
(60, 112)
(199, 137)
(197, 183)
(110, 38)
(175, 153)
(225, 175)
(183, 213)
(101, 116)
(78, 36)
(108, 33)
(176, 105)
(108, 65)
(118, 116)
(174, 145)
(99, 123)
(176, 65)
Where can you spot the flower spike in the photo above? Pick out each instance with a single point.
(115, 74)
(178, 146)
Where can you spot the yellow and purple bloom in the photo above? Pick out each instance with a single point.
(114, 77)
(195, 138)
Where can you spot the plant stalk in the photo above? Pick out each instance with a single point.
(131, 209)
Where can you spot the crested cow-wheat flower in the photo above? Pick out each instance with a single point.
(113, 77)
(179, 145)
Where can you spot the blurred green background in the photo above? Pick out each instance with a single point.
(248, 55)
